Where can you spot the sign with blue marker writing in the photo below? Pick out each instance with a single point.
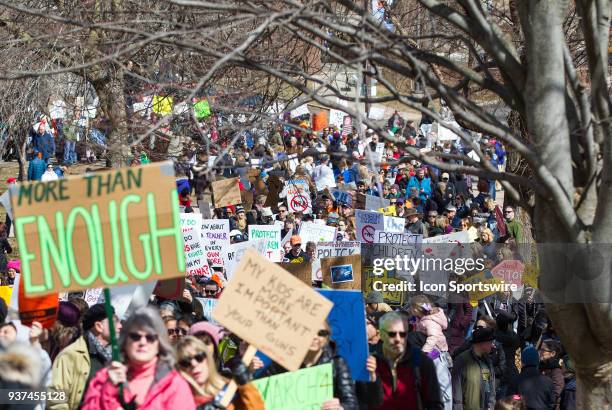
(347, 321)
(99, 230)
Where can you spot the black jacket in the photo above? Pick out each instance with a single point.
(344, 386)
(536, 390)
(509, 342)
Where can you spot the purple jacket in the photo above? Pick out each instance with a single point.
(459, 326)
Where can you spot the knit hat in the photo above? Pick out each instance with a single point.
(206, 327)
(483, 335)
(95, 313)
(68, 314)
(530, 357)
(374, 297)
(503, 319)
(14, 264)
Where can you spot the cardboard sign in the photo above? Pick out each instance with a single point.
(226, 192)
(332, 250)
(299, 202)
(170, 288)
(375, 202)
(342, 197)
(302, 271)
(99, 230)
(305, 389)
(342, 272)
(312, 232)
(237, 250)
(394, 297)
(215, 240)
(247, 200)
(272, 235)
(510, 271)
(367, 223)
(347, 321)
(272, 310)
(388, 211)
(195, 263)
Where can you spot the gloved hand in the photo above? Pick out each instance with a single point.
(240, 373)
(434, 354)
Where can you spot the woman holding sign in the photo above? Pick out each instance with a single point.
(196, 363)
(322, 350)
(147, 375)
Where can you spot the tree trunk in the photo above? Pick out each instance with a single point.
(20, 146)
(113, 104)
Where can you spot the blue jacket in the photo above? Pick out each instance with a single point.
(425, 185)
(44, 143)
(36, 168)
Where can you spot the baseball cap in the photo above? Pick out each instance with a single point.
(295, 240)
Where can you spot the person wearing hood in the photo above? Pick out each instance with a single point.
(534, 388)
(19, 370)
(322, 350)
(432, 322)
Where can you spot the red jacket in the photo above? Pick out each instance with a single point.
(404, 395)
(168, 391)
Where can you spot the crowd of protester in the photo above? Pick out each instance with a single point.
(502, 353)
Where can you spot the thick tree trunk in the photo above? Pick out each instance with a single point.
(113, 104)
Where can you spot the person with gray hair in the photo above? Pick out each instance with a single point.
(401, 376)
(147, 373)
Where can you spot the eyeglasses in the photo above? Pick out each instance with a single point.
(323, 333)
(210, 291)
(177, 331)
(186, 362)
(137, 337)
(393, 334)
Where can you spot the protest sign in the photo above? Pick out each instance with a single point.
(510, 271)
(201, 109)
(360, 201)
(486, 278)
(299, 202)
(347, 321)
(237, 250)
(398, 238)
(347, 125)
(312, 232)
(272, 235)
(247, 199)
(392, 297)
(162, 104)
(226, 192)
(393, 224)
(367, 222)
(342, 272)
(208, 305)
(7, 291)
(293, 161)
(433, 247)
(169, 288)
(93, 296)
(336, 118)
(195, 263)
(305, 389)
(302, 271)
(215, 240)
(5, 201)
(342, 197)
(331, 250)
(388, 211)
(99, 230)
(271, 310)
(375, 202)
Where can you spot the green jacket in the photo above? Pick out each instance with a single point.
(70, 373)
(468, 385)
(515, 230)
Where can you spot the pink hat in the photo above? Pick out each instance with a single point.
(206, 327)
(14, 264)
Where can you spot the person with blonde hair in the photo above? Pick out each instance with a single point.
(196, 363)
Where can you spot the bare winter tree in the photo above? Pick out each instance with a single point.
(545, 62)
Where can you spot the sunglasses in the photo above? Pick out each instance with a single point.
(177, 331)
(210, 292)
(323, 333)
(186, 362)
(393, 334)
(137, 337)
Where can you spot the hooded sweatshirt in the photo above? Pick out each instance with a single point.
(433, 325)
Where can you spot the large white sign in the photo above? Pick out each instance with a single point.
(215, 240)
(195, 262)
(367, 223)
(272, 235)
(236, 250)
(332, 250)
(312, 232)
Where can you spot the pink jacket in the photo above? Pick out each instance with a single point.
(171, 391)
(433, 325)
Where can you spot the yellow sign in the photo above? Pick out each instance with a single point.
(388, 211)
(530, 276)
(390, 297)
(484, 278)
(5, 293)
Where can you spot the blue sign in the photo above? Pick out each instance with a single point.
(347, 321)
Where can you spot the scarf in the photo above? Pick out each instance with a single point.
(105, 352)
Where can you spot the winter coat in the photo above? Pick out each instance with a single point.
(497, 356)
(535, 389)
(469, 386)
(36, 169)
(389, 393)
(552, 370)
(510, 342)
(459, 325)
(45, 144)
(344, 386)
(424, 184)
(19, 370)
(568, 396)
(433, 326)
(168, 391)
(73, 369)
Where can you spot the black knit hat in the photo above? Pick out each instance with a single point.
(95, 313)
(483, 335)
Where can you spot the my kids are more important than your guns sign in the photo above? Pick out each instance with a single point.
(99, 230)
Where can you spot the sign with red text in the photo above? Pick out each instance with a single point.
(215, 240)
